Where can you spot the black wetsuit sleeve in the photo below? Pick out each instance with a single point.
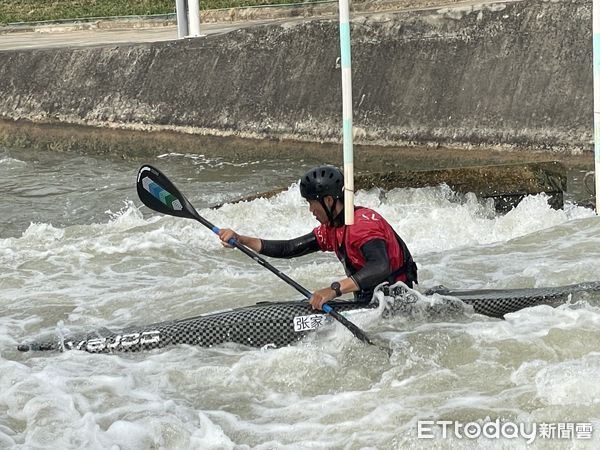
(377, 265)
(292, 248)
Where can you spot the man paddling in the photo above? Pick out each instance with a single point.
(370, 250)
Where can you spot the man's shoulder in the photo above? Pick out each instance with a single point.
(363, 214)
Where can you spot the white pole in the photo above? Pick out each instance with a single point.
(347, 111)
(194, 17)
(596, 63)
(182, 28)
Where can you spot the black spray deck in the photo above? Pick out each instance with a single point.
(282, 323)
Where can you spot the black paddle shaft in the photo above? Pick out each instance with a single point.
(157, 192)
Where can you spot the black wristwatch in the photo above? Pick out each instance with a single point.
(335, 286)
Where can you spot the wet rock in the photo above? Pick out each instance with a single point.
(505, 184)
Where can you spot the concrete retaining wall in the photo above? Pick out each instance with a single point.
(497, 74)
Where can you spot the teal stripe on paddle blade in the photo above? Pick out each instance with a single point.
(159, 194)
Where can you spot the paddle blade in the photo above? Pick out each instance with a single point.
(158, 193)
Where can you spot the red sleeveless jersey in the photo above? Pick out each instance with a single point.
(368, 225)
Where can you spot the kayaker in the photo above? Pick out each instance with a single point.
(370, 250)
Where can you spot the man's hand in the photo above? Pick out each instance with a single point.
(320, 297)
(226, 234)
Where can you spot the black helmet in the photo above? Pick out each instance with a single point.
(322, 181)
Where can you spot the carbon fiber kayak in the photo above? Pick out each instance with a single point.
(277, 324)
(498, 302)
(282, 323)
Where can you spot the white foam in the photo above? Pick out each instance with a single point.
(203, 160)
(572, 382)
(12, 163)
(430, 219)
(330, 391)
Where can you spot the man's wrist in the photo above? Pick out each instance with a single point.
(336, 287)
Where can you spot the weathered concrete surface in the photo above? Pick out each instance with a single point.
(504, 176)
(368, 158)
(515, 74)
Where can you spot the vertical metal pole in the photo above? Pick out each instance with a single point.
(596, 64)
(182, 28)
(194, 17)
(347, 111)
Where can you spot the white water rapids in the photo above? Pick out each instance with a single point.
(78, 252)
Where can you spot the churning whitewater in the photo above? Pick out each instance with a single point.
(79, 252)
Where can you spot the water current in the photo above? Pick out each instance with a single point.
(79, 251)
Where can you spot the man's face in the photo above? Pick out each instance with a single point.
(317, 210)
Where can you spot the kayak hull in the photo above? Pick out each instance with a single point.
(499, 302)
(277, 324)
(283, 323)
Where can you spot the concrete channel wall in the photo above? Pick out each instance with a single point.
(514, 74)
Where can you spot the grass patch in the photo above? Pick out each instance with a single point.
(39, 10)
